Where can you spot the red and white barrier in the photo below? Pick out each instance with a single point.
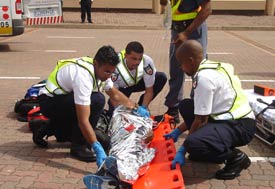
(44, 20)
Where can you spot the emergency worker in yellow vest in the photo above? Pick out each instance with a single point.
(73, 101)
(188, 22)
(136, 72)
(218, 118)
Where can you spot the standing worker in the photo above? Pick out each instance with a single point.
(86, 8)
(136, 72)
(73, 101)
(218, 118)
(188, 22)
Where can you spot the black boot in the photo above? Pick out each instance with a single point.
(82, 153)
(237, 161)
(103, 139)
(175, 113)
(38, 133)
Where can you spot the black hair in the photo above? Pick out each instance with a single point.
(107, 55)
(134, 46)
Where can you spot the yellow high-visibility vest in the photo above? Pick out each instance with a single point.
(240, 106)
(179, 16)
(124, 72)
(52, 84)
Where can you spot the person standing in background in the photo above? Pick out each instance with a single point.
(86, 7)
(188, 22)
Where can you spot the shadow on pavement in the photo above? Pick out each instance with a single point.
(4, 47)
(260, 149)
(56, 156)
(198, 172)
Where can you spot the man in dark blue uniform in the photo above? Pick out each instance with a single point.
(218, 118)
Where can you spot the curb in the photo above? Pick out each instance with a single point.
(242, 28)
(95, 26)
(145, 27)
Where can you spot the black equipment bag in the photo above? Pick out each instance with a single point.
(30, 101)
(23, 106)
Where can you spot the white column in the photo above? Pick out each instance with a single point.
(270, 5)
(156, 6)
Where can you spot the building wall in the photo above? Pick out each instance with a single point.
(122, 4)
(267, 5)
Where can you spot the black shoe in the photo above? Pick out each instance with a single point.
(90, 21)
(234, 166)
(103, 139)
(82, 22)
(175, 113)
(38, 134)
(82, 153)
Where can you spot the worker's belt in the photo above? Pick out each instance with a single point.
(180, 26)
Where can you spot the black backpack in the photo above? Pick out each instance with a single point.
(30, 101)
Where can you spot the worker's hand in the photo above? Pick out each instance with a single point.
(179, 158)
(179, 39)
(100, 153)
(142, 111)
(173, 134)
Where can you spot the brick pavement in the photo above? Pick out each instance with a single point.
(22, 165)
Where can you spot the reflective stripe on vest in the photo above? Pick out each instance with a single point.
(179, 16)
(240, 106)
(52, 84)
(127, 77)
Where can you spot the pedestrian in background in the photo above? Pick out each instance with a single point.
(86, 8)
(188, 22)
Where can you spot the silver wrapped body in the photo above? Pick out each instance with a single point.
(128, 133)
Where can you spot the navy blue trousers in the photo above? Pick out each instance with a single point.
(160, 81)
(61, 111)
(215, 141)
(86, 9)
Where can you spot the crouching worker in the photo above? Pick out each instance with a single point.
(73, 101)
(219, 118)
(129, 155)
(136, 72)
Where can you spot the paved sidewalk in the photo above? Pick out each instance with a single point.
(117, 20)
(24, 165)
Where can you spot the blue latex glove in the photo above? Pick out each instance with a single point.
(173, 134)
(142, 111)
(100, 153)
(179, 158)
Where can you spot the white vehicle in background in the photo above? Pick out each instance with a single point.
(11, 20)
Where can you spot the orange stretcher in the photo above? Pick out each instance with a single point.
(160, 175)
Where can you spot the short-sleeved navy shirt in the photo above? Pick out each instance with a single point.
(189, 5)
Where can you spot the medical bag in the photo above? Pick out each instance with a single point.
(30, 101)
(36, 118)
(264, 110)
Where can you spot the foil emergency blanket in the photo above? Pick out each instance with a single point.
(128, 133)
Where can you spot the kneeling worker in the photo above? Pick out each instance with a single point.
(219, 118)
(73, 101)
(136, 72)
